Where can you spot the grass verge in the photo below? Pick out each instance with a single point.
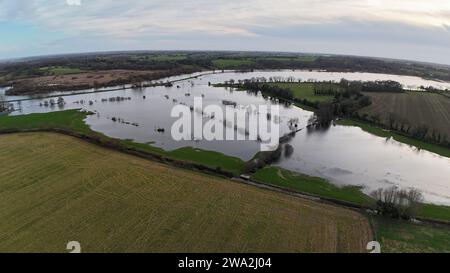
(73, 120)
(322, 188)
(397, 236)
(310, 185)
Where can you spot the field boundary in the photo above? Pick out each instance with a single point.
(330, 201)
(304, 195)
(115, 87)
(116, 146)
(159, 203)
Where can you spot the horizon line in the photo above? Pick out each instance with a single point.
(25, 58)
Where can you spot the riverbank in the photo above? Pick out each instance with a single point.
(303, 95)
(350, 196)
(311, 185)
(289, 183)
(105, 90)
(60, 189)
(372, 129)
(71, 122)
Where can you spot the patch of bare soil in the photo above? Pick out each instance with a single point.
(95, 79)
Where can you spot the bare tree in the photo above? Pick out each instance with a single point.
(3, 104)
(392, 119)
(397, 203)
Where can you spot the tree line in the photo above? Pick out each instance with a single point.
(346, 101)
(371, 86)
(395, 123)
(267, 90)
(206, 60)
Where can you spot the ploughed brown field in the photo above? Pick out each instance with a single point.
(415, 108)
(55, 189)
(81, 80)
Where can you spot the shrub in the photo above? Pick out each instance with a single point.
(396, 203)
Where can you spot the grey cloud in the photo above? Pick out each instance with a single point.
(378, 27)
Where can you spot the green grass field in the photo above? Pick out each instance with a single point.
(431, 211)
(402, 237)
(310, 185)
(305, 91)
(232, 63)
(210, 159)
(57, 189)
(167, 58)
(240, 63)
(73, 120)
(290, 59)
(60, 70)
(70, 119)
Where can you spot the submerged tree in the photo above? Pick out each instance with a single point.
(325, 114)
(288, 150)
(3, 104)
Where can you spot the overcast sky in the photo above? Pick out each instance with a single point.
(405, 29)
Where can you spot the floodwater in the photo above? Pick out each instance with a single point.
(344, 155)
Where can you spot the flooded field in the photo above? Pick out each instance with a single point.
(344, 155)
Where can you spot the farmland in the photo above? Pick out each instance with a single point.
(316, 186)
(32, 76)
(412, 108)
(60, 70)
(73, 121)
(57, 189)
(305, 91)
(232, 63)
(73, 79)
(402, 237)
